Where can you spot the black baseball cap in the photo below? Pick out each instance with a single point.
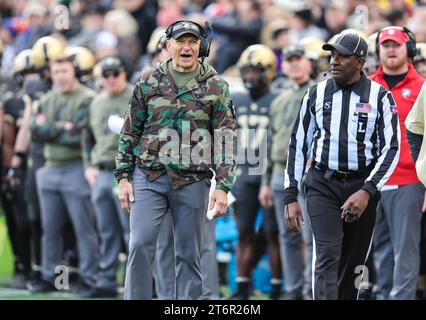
(304, 14)
(348, 44)
(183, 27)
(292, 51)
(111, 63)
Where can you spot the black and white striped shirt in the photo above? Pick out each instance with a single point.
(345, 129)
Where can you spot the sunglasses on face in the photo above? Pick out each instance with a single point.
(108, 73)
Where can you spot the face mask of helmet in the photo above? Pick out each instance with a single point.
(257, 57)
(251, 81)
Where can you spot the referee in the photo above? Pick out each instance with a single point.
(349, 126)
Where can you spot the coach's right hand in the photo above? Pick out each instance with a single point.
(293, 216)
(125, 194)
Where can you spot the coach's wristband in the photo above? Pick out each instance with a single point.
(122, 175)
(223, 188)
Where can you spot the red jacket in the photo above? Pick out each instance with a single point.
(405, 94)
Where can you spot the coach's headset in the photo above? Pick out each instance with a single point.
(411, 42)
(205, 39)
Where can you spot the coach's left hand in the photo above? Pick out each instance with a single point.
(357, 202)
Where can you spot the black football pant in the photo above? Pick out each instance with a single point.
(340, 248)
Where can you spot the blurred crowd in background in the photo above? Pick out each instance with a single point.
(125, 26)
(133, 30)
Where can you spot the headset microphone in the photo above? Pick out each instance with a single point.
(328, 70)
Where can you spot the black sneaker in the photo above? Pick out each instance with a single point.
(83, 290)
(242, 292)
(365, 294)
(275, 293)
(420, 294)
(19, 281)
(41, 286)
(34, 276)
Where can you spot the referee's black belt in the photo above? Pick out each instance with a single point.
(343, 175)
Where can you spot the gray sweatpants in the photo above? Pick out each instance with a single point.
(188, 207)
(397, 242)
(165, 274)
(61, 191)
(113, 227)
(297, 269)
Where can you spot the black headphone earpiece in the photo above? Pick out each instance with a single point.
(73, 60)
(205, 41)
(77, 70)
(208, 41)
(411, 42)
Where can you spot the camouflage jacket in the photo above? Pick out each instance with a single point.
(162, 120)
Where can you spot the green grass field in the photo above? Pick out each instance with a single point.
(6, 260)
